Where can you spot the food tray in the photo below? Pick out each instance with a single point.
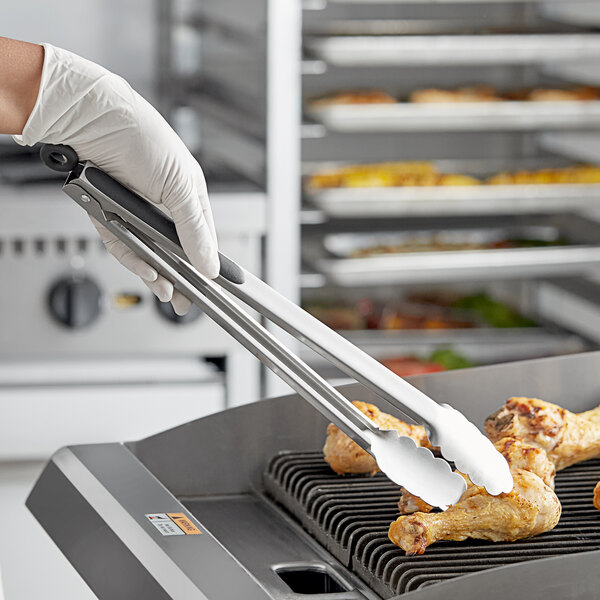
(342, 245)
(455, 200)
(467, 116)
(582, 256)
(355, 202)
(550, 198)
(351, 51)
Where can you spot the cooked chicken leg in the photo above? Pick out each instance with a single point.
(597, 496)
(529, 509)
(518, 454)
(345, 456)
(567, 437)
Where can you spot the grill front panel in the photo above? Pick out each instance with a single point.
(350, 516)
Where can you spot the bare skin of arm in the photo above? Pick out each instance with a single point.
(20, 74)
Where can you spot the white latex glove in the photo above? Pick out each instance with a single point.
(96, 112)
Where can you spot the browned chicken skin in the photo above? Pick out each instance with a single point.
(529, 509)
(345, 456)
(597, 496)
(520, 454)
(567, 437)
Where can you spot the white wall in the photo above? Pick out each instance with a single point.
(119, 35)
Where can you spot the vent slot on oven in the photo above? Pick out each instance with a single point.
(41, 247)
(350, 516)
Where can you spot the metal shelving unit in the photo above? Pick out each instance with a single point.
(477, 139)
(261, 57)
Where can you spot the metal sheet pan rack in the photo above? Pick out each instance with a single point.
(304, 52)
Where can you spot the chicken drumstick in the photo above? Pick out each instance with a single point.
(567, 437)
(529, 509)
(518, 454)
(345, 456)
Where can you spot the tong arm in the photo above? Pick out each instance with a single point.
(231, 317)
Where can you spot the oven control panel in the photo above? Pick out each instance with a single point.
(64, 294)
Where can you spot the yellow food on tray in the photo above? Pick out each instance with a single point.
(575, 174)
(425, 174)
(449, 179)
(391, 174)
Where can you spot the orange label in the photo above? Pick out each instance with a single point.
(184, 524)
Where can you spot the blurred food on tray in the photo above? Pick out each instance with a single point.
(479, 92)
(388, 174)
(436, 243)
(476, 93)
(573, 174)
(426, 174)
(404, 366)
(445, 359)
(430, 311)
(573, 94)
(368, 96)
(494, 313)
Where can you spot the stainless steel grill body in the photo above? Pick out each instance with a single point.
(93, 501)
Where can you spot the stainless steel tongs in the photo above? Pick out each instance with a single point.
(152, 235)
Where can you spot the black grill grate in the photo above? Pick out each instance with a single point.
(350, 516)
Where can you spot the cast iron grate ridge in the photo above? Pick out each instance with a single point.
(350, 516)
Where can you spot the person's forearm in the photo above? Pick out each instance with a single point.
(20, 74)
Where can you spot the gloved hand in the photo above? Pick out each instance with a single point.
(96, 112)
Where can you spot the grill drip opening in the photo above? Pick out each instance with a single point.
(310, 580)
(350, 515)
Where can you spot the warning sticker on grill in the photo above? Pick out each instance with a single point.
(173, 524)
(184, 523)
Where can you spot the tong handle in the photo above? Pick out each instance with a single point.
(64, 158)
(59, 157)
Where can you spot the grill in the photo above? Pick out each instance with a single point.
(350, 516)
(276, 524)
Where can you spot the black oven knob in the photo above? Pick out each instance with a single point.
(166, 310)
(75, 301)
